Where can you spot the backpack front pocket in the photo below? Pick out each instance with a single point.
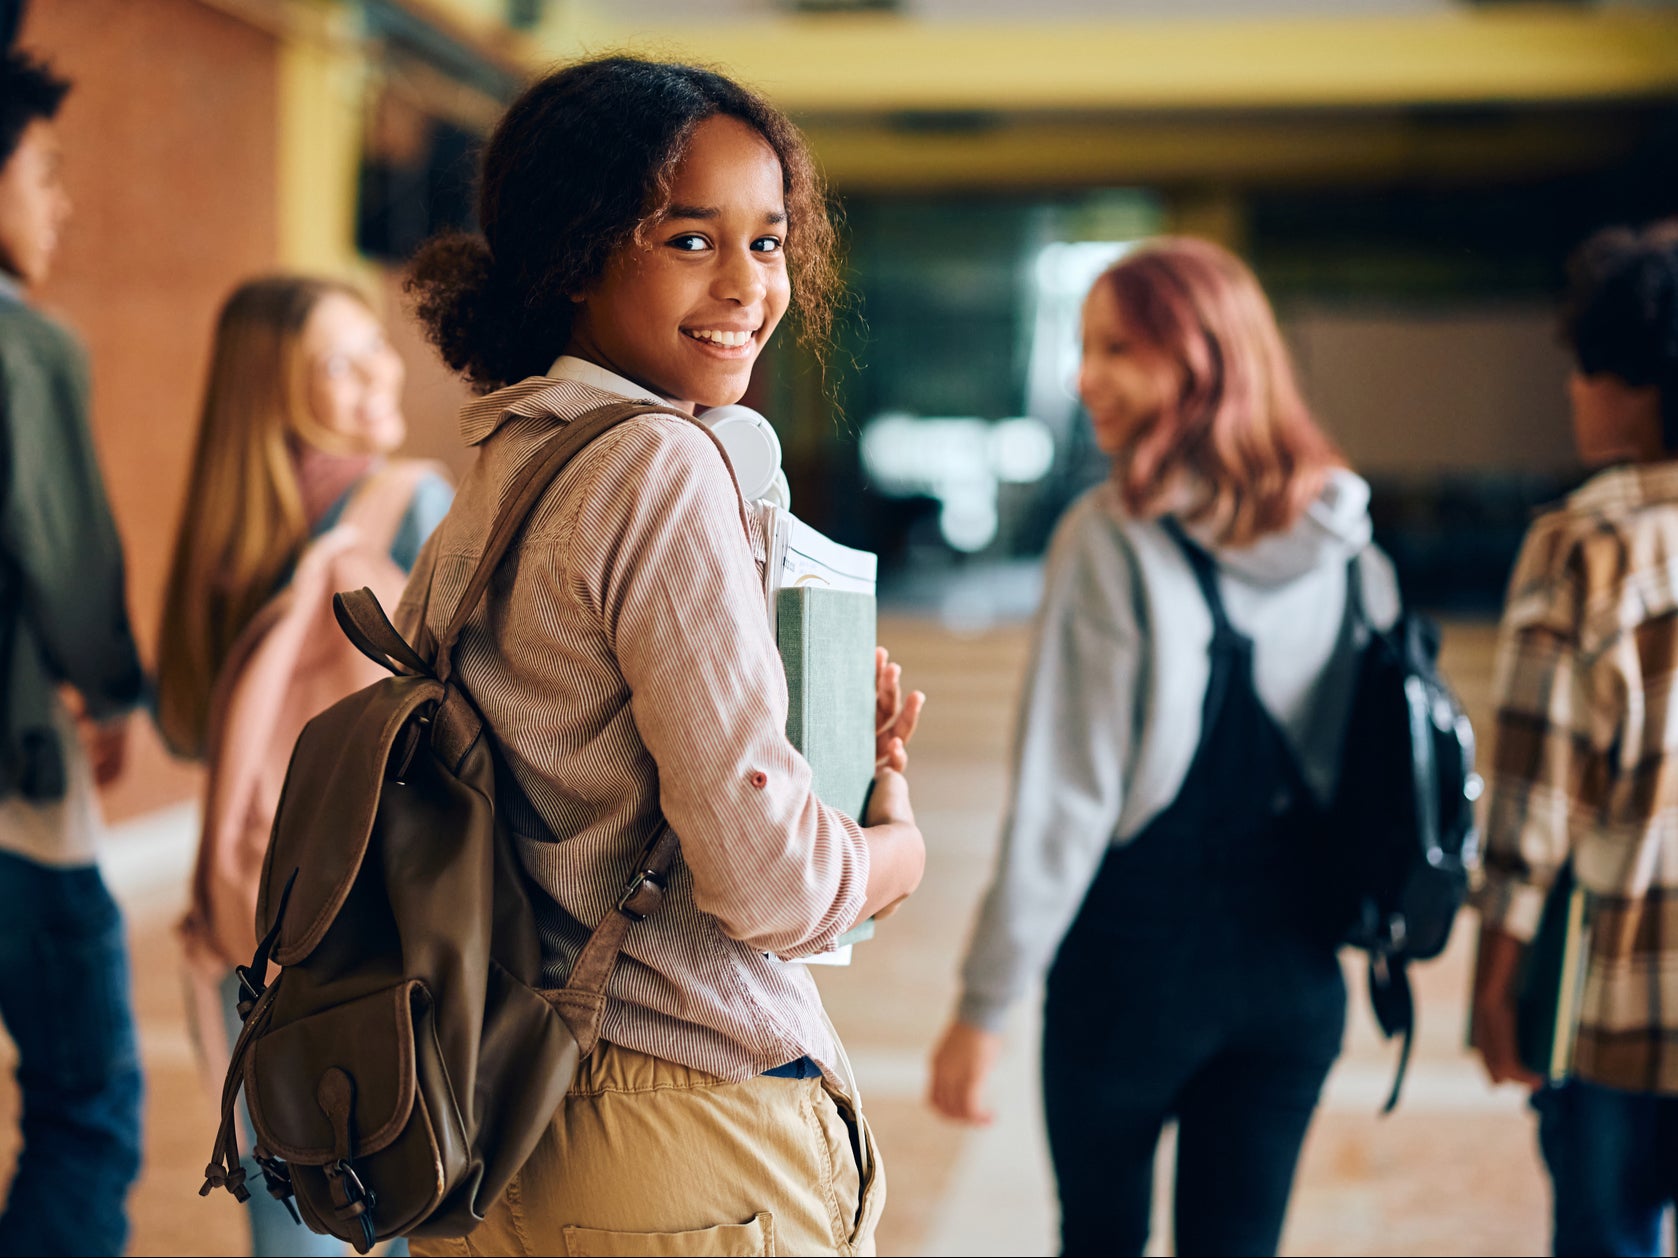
(354, 1100)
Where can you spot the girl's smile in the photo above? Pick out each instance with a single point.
(727, 343)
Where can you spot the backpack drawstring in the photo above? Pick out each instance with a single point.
(224, 1169)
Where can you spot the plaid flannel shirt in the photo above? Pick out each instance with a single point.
(1585, 763)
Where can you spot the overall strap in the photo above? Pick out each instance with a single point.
(1356, 610)
(1205, 569)
(523, 494)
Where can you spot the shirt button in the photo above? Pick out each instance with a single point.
(758, 778)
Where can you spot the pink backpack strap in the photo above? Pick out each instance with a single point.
(381, 500)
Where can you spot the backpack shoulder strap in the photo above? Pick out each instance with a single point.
(582, 1001)
(523, 494)
(381, 501)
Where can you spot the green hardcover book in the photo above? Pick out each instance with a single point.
(827, 648)
(827, 638)
(1551, 981)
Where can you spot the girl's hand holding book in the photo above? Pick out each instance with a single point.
(1495, 1036)
(895, 716)
(896, 852)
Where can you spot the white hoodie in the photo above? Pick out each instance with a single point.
(1110, 718)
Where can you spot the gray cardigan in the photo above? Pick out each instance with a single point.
(63, 607)
(1110, 716)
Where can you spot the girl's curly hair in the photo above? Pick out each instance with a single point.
(1620, 316)
(574, 170)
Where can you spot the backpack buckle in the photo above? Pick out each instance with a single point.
(277, 1179)
(642, 895)
(355, 1195)
(352, 1201)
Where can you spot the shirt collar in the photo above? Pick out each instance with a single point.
(570, 367)
(572, 386)
(1630, 486)
(11, 288)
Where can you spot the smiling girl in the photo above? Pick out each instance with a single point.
(645, 228)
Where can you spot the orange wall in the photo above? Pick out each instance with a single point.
(433, 396)
(170, 138)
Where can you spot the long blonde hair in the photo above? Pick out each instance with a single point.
(244, 523)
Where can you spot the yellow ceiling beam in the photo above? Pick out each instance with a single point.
(1045, 153)
(321, 75)
(857, 64)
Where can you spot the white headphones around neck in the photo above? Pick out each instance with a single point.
(753, 449)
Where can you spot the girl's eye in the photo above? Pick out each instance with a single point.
(768, 244)
(689, 242)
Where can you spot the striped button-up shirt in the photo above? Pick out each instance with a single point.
(1585, 766)
(624, 663)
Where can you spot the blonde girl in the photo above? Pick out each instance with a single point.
(301, 412)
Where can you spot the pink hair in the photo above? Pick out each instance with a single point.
(1239, 424)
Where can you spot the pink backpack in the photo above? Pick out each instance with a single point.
(291, 663)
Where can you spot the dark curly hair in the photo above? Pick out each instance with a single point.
(574, 170)
(1620, 317)
(28, 90)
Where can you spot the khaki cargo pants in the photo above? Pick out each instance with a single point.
(648, 1157)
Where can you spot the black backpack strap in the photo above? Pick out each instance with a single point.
(1395, 1012)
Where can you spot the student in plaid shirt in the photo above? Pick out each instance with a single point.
(1585, 768)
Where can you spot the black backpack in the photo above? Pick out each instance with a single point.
(1400, 839)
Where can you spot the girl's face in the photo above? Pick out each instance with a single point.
(687, 313)
(354, 376)
(1122, 378)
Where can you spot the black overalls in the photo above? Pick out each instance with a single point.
(1191, 986)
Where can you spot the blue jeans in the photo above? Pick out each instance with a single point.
(1613, 1161)
(64, 996)
(273, 1230)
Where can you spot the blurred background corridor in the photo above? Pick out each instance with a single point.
(1406, 178)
